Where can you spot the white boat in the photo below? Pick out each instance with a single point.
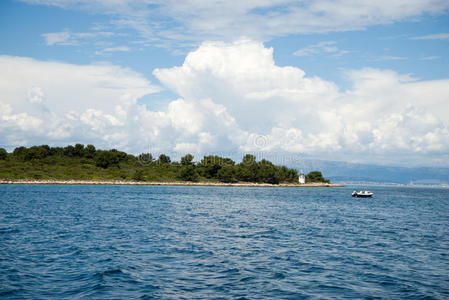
(362, 194)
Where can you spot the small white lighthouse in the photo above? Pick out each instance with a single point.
(302, 179)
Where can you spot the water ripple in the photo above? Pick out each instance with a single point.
(118, 242)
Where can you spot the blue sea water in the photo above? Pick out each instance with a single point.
(156, 242)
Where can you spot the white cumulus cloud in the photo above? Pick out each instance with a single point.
(232, 97)
(57, 102)
(281, 109)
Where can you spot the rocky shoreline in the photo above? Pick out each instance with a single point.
(179, 183)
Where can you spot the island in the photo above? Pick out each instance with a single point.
(81, 164)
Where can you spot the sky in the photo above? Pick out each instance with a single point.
(357, 81)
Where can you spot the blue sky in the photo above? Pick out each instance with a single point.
(354, 81)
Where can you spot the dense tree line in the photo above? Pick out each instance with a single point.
(146, 167)
(102, 158)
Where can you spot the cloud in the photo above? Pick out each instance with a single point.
(232, 98)
(385, 115)
(187, 20)
(67, 38)
(90, 103)
(113, 49)
(98, 104)
(35, 95)
(437, 36)
(389, 57)
(430, 57)
(58, 38)
(328, 47)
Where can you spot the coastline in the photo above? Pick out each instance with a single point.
(176, 183)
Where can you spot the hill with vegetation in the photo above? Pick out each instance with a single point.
(81, 162)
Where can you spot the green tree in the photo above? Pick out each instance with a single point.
(3, 154)
(105, 159)
(59, 151)
(19, 152)
(243, 173)
(227, 174)
(267, 172)
(188, 173)
(248, 169)
(69, 151)
(316, 176)
(163, 159)
(37, 152)
(78, 150)
(121, 156)
(248, 159)
(187, 160)
(210, 165)
(292, 176)
(145, 158)
(225, 161)
(89, 151)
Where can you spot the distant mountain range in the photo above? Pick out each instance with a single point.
(352, 172)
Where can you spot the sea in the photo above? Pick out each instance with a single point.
(192, 242)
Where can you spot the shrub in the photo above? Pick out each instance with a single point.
(3, 154)
(138, 175)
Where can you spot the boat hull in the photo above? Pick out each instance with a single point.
(362, 196)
